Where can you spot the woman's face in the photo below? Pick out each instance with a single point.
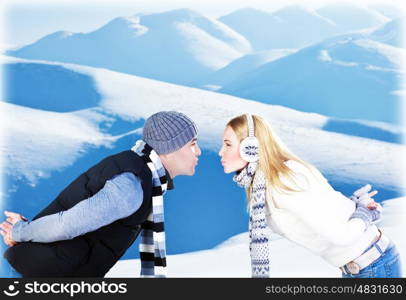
(230, 152)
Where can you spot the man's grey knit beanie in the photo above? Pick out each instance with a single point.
(168, 131)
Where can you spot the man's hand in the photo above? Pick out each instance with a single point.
(6, 233)
(13, 217)
(7, 226)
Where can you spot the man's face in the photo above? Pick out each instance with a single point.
(184, 160)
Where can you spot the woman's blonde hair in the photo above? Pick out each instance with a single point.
(272, 152)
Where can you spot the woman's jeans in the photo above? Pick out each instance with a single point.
(388, 265)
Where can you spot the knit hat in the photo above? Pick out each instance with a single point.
(168, 131)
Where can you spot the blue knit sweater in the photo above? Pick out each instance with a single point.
(119, 198)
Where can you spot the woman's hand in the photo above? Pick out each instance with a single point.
(363, 197)
(369, 216)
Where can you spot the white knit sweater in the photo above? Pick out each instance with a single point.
(318, 217)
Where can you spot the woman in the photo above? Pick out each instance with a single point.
(292, 198)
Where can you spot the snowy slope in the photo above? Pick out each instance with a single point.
(348, 76)
(174, 46)
(290, 27)
(231, 258)
(37, 142)
(49, 87)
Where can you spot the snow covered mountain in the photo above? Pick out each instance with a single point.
(348, 76)
(241, 66)
(175, 46)
(391, 33)
(295, 26)
(389, 10)
(350, 17)
(44, 150)
(290, 27)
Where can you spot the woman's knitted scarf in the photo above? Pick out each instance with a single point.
(258, 231)
(152, 246)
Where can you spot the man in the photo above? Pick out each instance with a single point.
(97, 217)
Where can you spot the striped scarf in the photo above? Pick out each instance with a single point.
(152, 246)
(258, 229)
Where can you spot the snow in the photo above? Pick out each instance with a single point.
(196, 46)
(199, 43)
(295, 26)
(390, 33)
(290, 27)
(36, 141)
(350, 16)
(124, 26)
(347, 71)
(212, 26)
(393, 54)
(390, 10)
(231, 258)
(175, 46)
(240, 66)
(300, 14)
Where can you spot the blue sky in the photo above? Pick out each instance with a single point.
(25, 21)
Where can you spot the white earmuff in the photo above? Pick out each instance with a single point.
(249, 147)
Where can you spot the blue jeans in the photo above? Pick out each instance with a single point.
(388, 265)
